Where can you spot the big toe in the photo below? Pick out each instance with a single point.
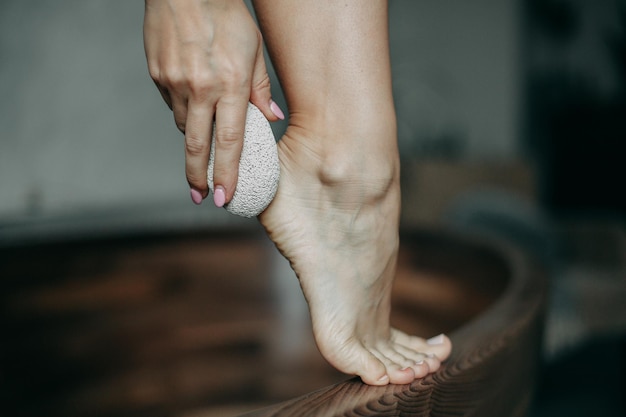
(439, 346)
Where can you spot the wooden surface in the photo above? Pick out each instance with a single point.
(191, 325)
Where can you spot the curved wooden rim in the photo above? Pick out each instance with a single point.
(492, 367)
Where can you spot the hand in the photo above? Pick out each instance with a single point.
(206, 58)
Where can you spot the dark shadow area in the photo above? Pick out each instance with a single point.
(575, 113)
(574, 59)
(590, 381)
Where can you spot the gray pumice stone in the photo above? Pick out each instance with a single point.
(259, 169)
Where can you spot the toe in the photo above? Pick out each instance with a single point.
(433, 362)
(440, 345)
(374, 371)
(421, 369)
(422, 364)
(402, 376)
(367, 365)
(399, 369)
(398, 375)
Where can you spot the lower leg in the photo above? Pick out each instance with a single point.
(335, 216)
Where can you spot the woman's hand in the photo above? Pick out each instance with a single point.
(206, 58)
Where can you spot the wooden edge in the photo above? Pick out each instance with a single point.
(490, 372)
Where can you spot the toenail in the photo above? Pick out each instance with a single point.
(419, 362)
(437, 340)
(384, 378)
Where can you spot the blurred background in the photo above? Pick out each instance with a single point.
(511, 117)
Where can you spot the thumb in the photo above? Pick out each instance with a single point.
(260, 93)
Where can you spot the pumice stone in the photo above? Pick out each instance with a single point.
(259, 169)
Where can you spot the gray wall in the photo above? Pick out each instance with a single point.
(86, 139)
(457, 75)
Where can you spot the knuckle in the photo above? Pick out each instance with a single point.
(155, 73)
(198, 90)
(228, 137)
(174, 78)
(161, 73)
(262, 83)
(196, 146)
(201, 83)
(195, 81)
(234, 77)
(180, 120)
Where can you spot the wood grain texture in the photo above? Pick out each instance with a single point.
(182, 325)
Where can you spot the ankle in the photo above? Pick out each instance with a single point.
(370, 175)
(355, 153)
(363, 154)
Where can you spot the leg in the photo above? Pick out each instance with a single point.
(335, 216)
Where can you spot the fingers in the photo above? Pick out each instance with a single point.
(197, 128)
(207, 62)
(179, 109)
(230, 119)
(261, 94)
(195, 119)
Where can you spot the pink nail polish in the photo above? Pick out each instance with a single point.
(219, 196)
(196, 197)
(276, 110)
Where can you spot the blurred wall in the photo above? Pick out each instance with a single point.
(456, 77)
(85, 135)
(82, 124)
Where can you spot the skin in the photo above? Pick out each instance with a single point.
(206, 58)
(335, 216)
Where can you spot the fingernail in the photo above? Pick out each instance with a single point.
(219, 196)
(196, 197)
(383, 378)
(276, 110)
(419, 362)
(437, 340)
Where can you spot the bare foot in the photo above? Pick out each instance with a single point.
(335, 218)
